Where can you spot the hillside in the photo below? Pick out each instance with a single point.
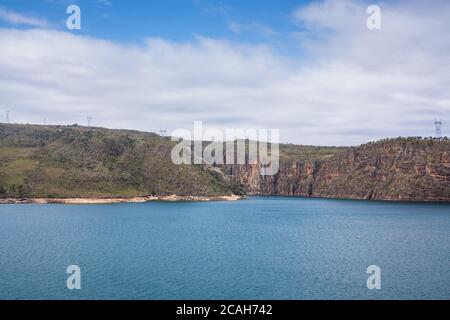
(72, 161)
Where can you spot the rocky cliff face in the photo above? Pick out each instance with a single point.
(72, 161)
(411, 169)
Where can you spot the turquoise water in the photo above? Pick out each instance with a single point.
(260, 248)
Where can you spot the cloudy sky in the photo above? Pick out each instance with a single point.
(309, 68)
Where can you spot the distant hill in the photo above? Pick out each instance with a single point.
(73, 161)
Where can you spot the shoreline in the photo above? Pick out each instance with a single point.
(95, 200)
(176, 198)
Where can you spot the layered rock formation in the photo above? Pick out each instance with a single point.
(78, 162)
(411, 169)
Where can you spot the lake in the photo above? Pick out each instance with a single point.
(259, 248)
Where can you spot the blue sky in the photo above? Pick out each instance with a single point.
(178, 20)
(311, 69)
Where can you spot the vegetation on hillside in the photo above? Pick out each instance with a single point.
(73, 161)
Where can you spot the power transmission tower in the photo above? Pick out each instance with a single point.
(89, 119)
(162, 132)
(438, 127)
(7, 116)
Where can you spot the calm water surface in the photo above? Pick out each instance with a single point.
(260, 248)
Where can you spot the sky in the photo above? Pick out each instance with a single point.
(311, 69)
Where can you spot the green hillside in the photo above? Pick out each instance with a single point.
(73, 161)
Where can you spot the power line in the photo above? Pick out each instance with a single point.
(438, 127)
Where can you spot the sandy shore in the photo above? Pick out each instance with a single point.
(171, 198)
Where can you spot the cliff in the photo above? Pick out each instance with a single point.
(79, 162)
(410, 169)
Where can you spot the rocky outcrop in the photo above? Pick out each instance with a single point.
(409, 169)
(61, 162)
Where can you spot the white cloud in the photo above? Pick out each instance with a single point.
(16, 18)
(352, 85)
